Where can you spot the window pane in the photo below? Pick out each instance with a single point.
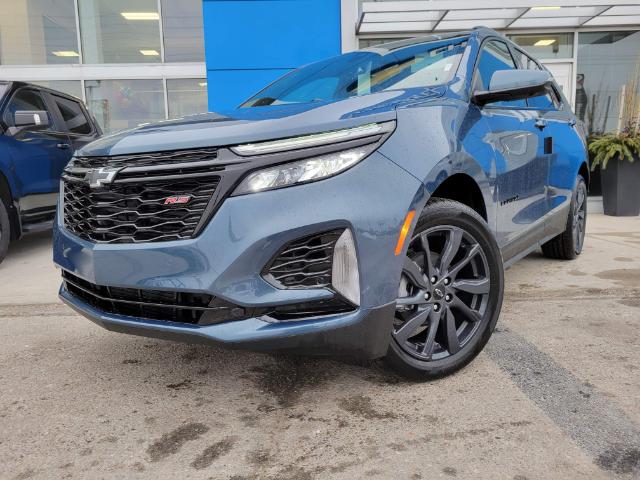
(70, 87)
(547, 45)
(495, 56)
(433, 62)
(38, 32)
(120, 104)
(120, 31)
(74, 118)
(606, 62)
(186, 96)
(524, 61)
(182, 27)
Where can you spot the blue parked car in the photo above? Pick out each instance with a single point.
(364, 205)
(39, 130)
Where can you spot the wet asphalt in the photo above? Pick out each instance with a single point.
(556, 393)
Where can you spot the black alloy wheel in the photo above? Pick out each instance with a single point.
(569, 244)
(579, 217)
(450, 292)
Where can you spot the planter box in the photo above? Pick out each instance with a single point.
(621, 188)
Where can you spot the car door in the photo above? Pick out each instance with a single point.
(565, 146)
(37, 155)
(522, 164)
(75, 120)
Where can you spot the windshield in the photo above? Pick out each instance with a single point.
(3, 89)
(363, 72)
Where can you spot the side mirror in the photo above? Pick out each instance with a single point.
(508, 85)
(31, 119)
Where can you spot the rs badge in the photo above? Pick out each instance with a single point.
(178, 200)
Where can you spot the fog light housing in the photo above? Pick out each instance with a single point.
(345, 278)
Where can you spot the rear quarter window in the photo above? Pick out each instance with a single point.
(73, 114)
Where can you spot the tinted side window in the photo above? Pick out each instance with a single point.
(493, 57)
(24, 99)
(524, 61)
(544, 102)
(74, 117)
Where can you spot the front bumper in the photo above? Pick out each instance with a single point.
(362, 334)
(227, 258)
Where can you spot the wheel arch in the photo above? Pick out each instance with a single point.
(462, 188)
(584, 172)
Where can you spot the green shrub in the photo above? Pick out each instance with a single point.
(623, 146)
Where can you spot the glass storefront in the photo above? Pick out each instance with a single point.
(120, 104)
(186, 96)
(71, 87)
(128, 34)
(606, 61)
(120, 31)
(38, 32)
(183, 31)
(545, 46)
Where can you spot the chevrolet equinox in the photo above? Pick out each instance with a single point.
(365, 205)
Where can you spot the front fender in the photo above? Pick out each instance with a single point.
(440, 139)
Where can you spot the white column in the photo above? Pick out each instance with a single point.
(349, 19)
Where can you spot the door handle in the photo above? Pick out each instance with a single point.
(540, 123)
(63, 146)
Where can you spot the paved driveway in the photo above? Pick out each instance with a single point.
(555, 394)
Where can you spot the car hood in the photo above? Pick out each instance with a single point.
(255, 124)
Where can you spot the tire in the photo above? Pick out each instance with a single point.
(568, 245)
(5, 231)
(417, 350)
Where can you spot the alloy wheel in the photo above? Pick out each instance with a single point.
(443, 294)
(579, 219)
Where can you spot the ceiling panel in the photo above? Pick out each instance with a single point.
(406, 6)
(468, 24)
(425, 15)
(563, 12)
(379, 17)
(484, 13)
(624, 10)
(613, 20)
(397, 27)
(548, 22)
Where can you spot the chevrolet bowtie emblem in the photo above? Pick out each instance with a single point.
(99, 177)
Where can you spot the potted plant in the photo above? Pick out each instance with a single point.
(618, 156)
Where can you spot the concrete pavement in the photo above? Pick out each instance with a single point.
(554, 395)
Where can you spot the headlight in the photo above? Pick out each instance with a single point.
(313, 140)
(302, 171)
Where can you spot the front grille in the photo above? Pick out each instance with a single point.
(132, 208)
(304, 263)
(182, 307)
(147, 159)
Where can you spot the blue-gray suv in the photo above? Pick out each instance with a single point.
(364, 205)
